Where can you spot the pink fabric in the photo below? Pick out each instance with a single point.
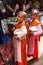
(31, 43)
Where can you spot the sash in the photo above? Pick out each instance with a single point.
(34, 22)
(19, 25)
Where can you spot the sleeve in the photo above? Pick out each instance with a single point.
(23, 32)
(39, 30)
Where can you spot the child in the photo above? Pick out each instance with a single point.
(34, 35)
(19, 40)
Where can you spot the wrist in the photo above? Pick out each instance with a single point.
(12, 10)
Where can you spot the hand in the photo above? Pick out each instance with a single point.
(24, 8)
(14, 13)
(13, 29)
(16, 7)
(16, 37)
(31, 33)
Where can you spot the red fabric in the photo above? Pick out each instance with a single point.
(23, 51)
(23, 54)
(23, 48)
(35, 55)
(5, 51)
(39, 37)
(15, 63)
(29, 55)
(18, 63)
(1, 61)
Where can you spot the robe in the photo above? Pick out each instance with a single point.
(34, 39)
(20, 45)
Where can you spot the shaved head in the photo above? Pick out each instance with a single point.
(22, 13)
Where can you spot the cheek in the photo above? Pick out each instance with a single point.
(18, 19)
(32, 16)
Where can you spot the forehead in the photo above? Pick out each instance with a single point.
(20, 15)
(32, 13)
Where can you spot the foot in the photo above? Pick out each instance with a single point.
(29, 58)
(34, 59)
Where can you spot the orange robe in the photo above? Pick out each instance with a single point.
(20, 46)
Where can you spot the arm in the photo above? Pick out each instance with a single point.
(7, 6)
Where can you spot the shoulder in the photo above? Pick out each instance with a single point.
(36, 20)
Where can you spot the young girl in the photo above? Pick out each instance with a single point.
(34, 35)
(19, 40)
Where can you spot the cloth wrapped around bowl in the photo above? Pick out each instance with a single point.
(33, 28)
(17, 31)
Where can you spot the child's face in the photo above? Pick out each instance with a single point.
(33, 15)
(20, 17)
